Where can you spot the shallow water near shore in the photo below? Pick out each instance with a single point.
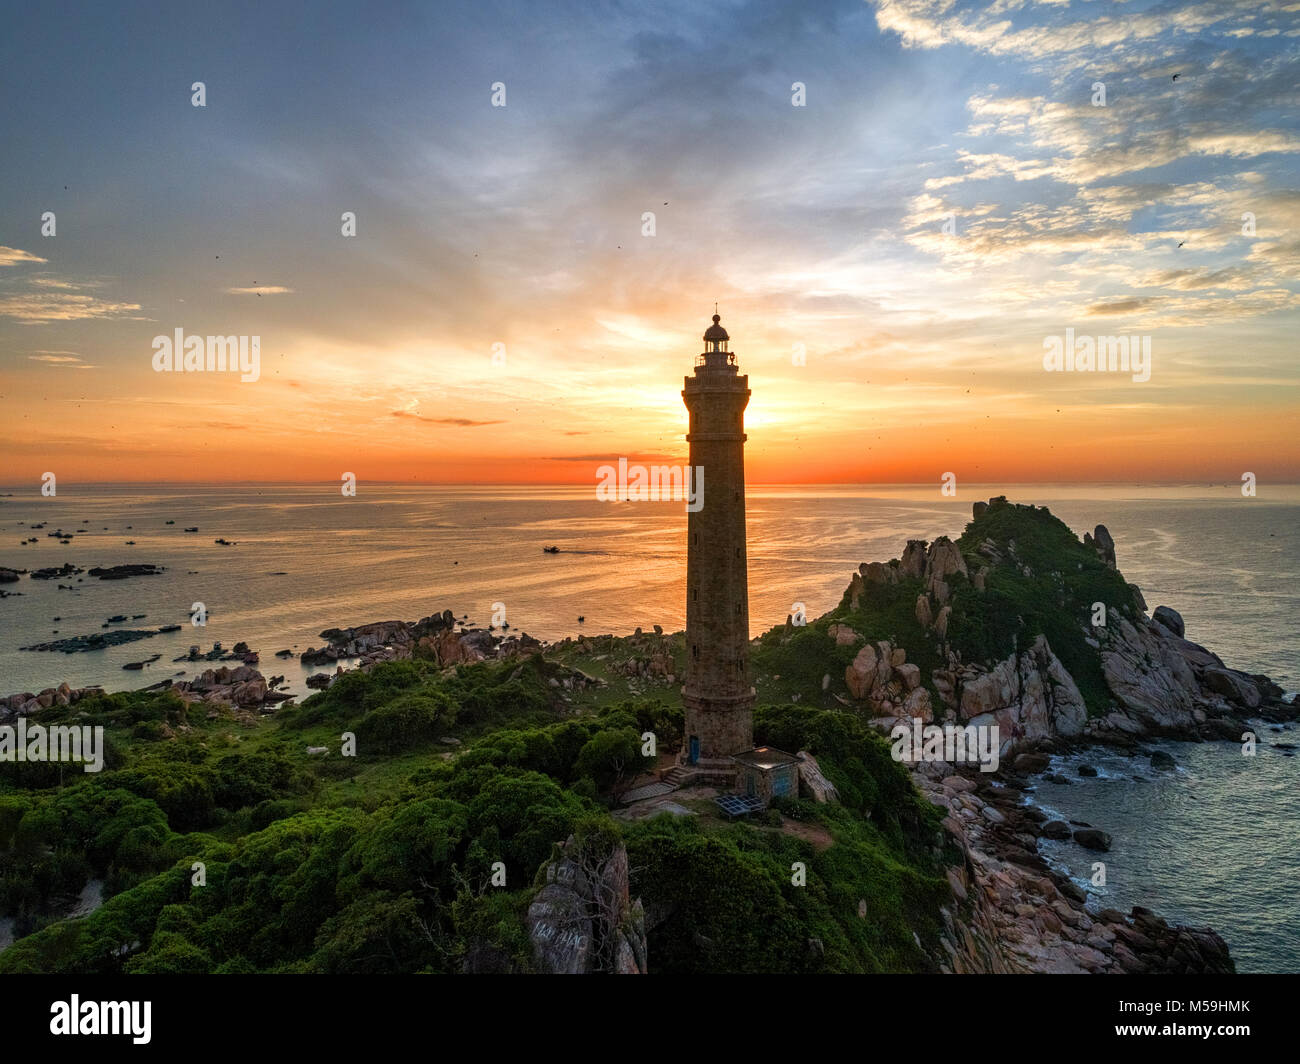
(1213, 843)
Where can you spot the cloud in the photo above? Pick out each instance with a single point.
(1119, 306)
(11, 256)
(60, 358)
(54, 282)
(643, 459)
(934, 24)
(267, 290)
(41, 308)
(462, 422)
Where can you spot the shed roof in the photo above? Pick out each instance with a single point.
(765, 757)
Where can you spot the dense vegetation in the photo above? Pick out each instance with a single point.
(383, 862)
(1044, 581)
(1046, 584)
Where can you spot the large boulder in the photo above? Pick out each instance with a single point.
(878, 573)
(249, 692)
(943, 560)
(1170, 619)
(860, 675)
(917, 704)
(1103, 544)
(843, 635)
(1092, 839)
(813, 781)
(1030, 695)
(913, 560)
(923, 615)
(1232, 685)
(1194, 654)
(582, 920)
(1147, 674)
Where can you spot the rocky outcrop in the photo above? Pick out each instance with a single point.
(25, 704)
(880, 676)
(1012, 913)
(436, 637)
(123, 572)
(813, 782)
(843, 635)
(1234, 686)
(359, 642)
(77, 644)
(1029, 696)
(1147, 675)
(913, 562)
(52, 573)
(583, 920)
(942, 561)
(1158, 682)
(243, 687)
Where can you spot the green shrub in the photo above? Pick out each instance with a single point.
(408, 722)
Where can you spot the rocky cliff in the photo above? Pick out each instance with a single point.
(1020, 624)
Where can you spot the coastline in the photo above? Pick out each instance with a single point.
(1013, 910)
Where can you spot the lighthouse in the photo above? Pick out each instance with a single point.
(717, 694)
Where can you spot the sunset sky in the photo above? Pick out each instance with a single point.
(820, 225)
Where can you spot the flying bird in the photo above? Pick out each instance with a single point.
(1181, 243)
(1174, 78)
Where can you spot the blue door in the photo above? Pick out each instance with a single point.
(695, 749)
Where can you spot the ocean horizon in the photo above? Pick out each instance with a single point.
(308, 558)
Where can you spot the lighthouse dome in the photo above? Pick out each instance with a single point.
(716, 331)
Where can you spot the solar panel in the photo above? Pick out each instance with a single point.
(740, 804)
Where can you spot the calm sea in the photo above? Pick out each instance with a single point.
(308, 558)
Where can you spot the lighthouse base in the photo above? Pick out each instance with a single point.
(717, 728)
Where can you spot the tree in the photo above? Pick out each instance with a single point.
(611, 758)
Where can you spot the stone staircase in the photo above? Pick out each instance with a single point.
(686, 775)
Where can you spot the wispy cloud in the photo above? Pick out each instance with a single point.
(43, 307)
(462, 422)
(644, 458)
(13, 256)
(68, 359)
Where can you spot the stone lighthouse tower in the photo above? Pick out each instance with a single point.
(718, 697)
